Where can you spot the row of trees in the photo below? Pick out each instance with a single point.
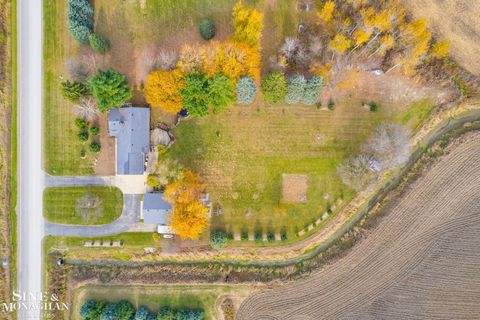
(295, 89)
(124, 310)
(212, 76)
(108, 88)
(80, 25)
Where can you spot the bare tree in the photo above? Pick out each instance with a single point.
(295, 53)
(316, 46)
(389, 145)
(77, 69)
(356, 173)
(167, 60)
(86, 109)
(88, 205)
(151, 60)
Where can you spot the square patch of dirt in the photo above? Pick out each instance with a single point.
(294, 187)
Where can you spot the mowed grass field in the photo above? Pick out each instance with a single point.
(243, 153)
(195, 297)
(82, 205)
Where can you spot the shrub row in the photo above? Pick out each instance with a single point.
(295, 89)
(124, 310)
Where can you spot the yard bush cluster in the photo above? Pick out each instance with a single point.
(124, 310)
(80, 25)
(83, 135)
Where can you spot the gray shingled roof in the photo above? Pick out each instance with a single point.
(131, 127)
(155, 209)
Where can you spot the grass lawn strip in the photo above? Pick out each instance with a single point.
(82, 205)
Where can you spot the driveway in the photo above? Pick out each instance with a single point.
(64, 181)
(128, 184)
(128, 221)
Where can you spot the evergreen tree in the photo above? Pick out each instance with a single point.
(98, 43)
(220, 92)
(80, 19)
(109, 88)
(196, 94)
(274, 87)
(73, 91)
(246, 90)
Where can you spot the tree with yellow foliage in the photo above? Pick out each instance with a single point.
(326, 14)
(234, 59)
(360, 36)
(340, 43)
(162, 89)
(189, 216)
(440, 49)
(248, 24)
(381, 21)
(189, 219)
(416, 38)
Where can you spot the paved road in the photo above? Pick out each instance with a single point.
(30, 175)
(128, 221)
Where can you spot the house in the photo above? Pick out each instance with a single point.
(155, 209)
(131, 128)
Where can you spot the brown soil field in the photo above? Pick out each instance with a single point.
(457, 21)
(420, 261)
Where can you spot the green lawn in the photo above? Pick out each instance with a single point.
(195, 296)
(62, 147)
(417, 114)
(82, 205)
(242, 154)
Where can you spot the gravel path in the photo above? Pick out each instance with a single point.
(421, 261)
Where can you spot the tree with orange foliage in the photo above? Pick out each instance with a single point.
(162, 89)
(248, 24)
(189, 217)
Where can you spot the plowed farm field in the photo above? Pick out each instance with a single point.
(420, 262)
